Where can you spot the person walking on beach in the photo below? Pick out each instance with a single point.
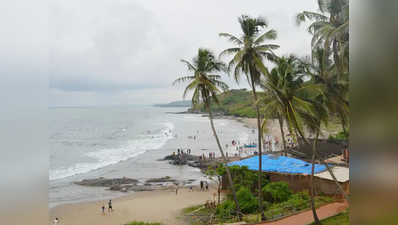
(103, 210)
(207, 186)
(226, 154)
(56, 221)
(176, 187)
(191, 188)
(214, 155)
(110, 205)
(201, 185)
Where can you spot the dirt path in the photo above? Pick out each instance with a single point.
(306, 217)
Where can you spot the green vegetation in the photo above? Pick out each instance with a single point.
(233, 103)
(277, 192)
(339, 219)
(341, 135)
(191, 209)
(144, 223)
(244, 178)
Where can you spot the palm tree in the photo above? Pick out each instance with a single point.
(251, 45)
(297, 99)
(206, 87)
(330, 27)
(280, 77)
(323, 71)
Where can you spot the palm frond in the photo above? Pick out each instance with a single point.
(232, 38)
(269, 35)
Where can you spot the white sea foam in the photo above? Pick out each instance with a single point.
(106, 157)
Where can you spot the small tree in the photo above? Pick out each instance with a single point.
(216, 176)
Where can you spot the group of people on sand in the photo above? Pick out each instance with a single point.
(110, 209)
(203, 185)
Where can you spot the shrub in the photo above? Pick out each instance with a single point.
(247, 201)
(340, 136)
(277, 192)
(223, 209)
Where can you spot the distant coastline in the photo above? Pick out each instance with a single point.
(175, 104)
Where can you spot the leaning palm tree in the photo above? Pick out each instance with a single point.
(323, 71)
(206, 87)
(251, 45)
(295, 97)
(330, 29)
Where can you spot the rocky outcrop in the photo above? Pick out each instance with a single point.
(103, 182)
(161, 179)
(185, 159)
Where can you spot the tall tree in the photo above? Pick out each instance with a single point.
(206, 88)
(330, 28)
(248, 46)
(323, 71)
(296, 98)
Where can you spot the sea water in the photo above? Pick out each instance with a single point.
(116, 142)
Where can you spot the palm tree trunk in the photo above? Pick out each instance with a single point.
(327, 167)
(259, 154)
(316, 219)
(342, 120)
(336, 58)
(283, 133)
(231, 184)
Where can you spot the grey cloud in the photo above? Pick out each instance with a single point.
(103, 48)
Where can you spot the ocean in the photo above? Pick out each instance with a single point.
(116, 142)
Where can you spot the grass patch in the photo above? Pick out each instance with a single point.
(191, 209)
(144, 223)
(339, 219)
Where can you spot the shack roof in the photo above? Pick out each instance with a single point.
(342, 174)
(280, 164)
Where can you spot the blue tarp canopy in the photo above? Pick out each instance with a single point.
(280, 164)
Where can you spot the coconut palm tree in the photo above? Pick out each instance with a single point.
(206, 88)
(250, 45)
(323, 71)
(330, 29)
(297, 99)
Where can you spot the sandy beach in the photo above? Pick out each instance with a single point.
(160, 205)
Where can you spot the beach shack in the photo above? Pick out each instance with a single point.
(297, 173)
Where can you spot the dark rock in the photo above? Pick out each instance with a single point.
(103, 182)
(184, 161)
(147, 184)
(161, 179)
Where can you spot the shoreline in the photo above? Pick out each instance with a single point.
(161, 204)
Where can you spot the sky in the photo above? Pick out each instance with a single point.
(120, 52)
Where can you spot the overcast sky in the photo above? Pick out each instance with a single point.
(114, 52)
